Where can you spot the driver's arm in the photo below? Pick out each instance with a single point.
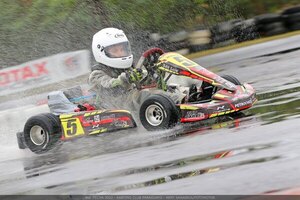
(99, 79)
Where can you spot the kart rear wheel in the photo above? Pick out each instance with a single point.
(158, 112)
(42, 132)
(232, 79)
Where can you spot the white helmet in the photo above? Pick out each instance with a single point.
(111, 47)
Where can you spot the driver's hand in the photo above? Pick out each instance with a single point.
(135, 75)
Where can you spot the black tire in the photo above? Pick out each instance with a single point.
(219, 38)
(290, 25)
(57, 126)
(276, 31)
(295, 27)
(292, 19)
(247, 35)
(232, 79)
(20, 139)
(196, 48)
(268, 18)
(55, 120)
(242, 34)
(291, 10)
(164, 111)
(42, 132)
(271, 27)
(274, 25)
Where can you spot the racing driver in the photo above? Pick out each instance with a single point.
(113, 75)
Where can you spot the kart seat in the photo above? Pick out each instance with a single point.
(204, 94)
(58, 103)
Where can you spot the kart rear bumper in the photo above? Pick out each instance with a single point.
(21, 140)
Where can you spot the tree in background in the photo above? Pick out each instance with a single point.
(31, 29)
(155, 16)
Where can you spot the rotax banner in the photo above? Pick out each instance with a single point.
(44, 71)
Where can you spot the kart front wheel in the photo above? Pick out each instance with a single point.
(232, 79)
(158, 112)
(42, 132)
(235, 81)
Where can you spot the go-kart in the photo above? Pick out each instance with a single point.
(44, 131)
(214, 96)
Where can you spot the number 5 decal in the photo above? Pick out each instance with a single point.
(72, 127)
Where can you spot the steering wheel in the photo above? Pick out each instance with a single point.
(148, 60)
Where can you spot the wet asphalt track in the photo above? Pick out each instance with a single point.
(251, 154)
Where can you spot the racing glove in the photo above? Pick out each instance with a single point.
(118, 81)
(122, 81)
(135, 75)
(132, 76)
(125, 79)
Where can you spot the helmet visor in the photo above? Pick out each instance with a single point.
(118, 50)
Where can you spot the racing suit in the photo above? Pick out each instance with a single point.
(109, 85)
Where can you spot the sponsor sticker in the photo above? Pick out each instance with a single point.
(170, 68)
(119, 35)
(22, 74)
(244, 103)
(120, 123)
(96, 118)
(195, 114)
(222, 108)
(108, 116)
(95, 126)
(72, 63)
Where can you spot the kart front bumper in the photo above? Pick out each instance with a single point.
(221, 104)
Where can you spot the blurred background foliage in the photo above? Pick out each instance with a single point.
(31, 29)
